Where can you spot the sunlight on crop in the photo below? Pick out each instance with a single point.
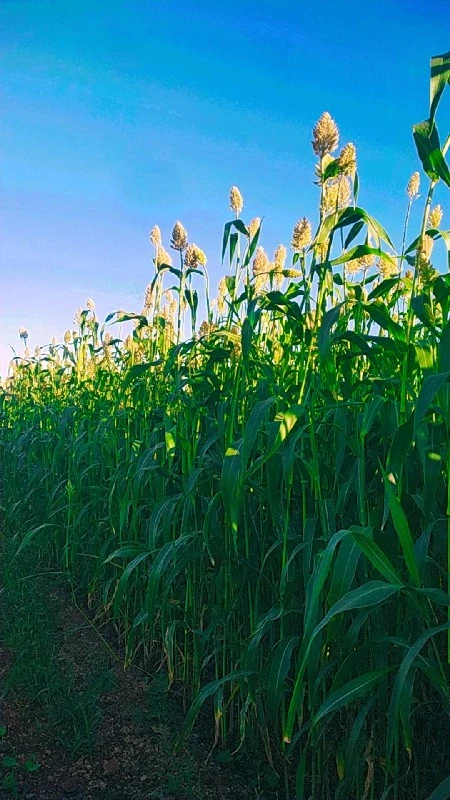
(254, 483)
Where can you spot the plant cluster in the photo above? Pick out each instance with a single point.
(267, 503)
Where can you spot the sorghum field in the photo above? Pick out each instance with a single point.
(262, 508)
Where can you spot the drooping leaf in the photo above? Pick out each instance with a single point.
(352, 690)
(440, 77)
(428, 147)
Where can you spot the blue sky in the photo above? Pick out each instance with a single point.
(126, 113)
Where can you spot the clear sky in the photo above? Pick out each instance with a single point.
(120, 114)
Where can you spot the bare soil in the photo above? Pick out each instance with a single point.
(123, 750)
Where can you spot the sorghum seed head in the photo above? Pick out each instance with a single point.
(325, 135)
(162, 256)
(260, 262)
(279, 258)
(426, 271)
(23, 333)
(194, 256)
(253, 226)
(352, 266)
(320, 251)
(301, 235)
(347, 159)
(427, 247)
(260, 281)
(435, 217)
(67, 337)
(386, 268)
(336, 195)
(344, 193)
(277, 277)
(179, 238)
(292, 273)
(206, 328)
(277, 352)
(413, 185)
(155, 236)
(366, 261)
(171, 303)
(310, 318)
(90, 304)
(236, 200)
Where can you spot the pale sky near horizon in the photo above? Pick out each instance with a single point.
(123, 114)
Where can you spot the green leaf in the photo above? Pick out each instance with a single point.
(207, 691)
(324, 338)
(31, 534)
(318, 579)
(381, 316)
(31, 766)
(371, 594)
(135, 372)
(444, 349)
(402, 529)
(442, 792)
(397, 691)
(278, 671)
(255, 419)
(428, 147)
(162, 563)
(233, 244)
(352, 216)
(191, 296)
(331, 170)
(353, 750)
(230, 281)
(252, 246)
(354, 231)
(344, 569)
(440, 76)
(437, 596)
(250, 655)
(123, 582)
(124, 552)
(279, 430)
(383, 288)
(240, 226)
(9, 762)
(231, 482)
(370, 413)
(352, 690)
(363, 250)
(226, 236)
(376, 557)
(400, 444)
(431, 386)
(422, 309)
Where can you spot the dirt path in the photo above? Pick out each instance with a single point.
(75, 726)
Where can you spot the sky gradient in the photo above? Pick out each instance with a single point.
(123, 114)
